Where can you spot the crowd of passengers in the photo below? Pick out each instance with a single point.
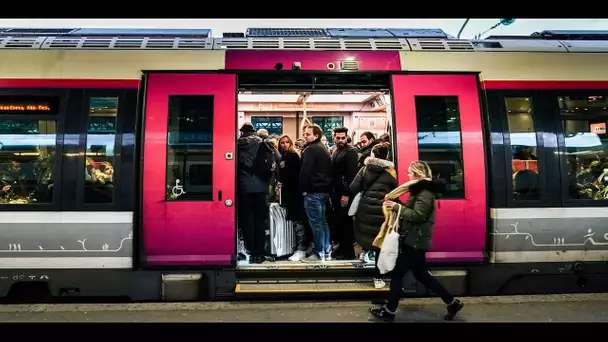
(316, 185)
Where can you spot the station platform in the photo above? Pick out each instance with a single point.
(546, 308)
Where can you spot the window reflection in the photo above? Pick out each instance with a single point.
(327, 124)
(273, 124)
(439, 143)
(524, 160)
(584, 105)
(190, 148)
(586, 145)
(27, 151)
(100, 150)
(586, 159)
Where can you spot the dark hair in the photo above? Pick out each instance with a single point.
(316, 130)
(381, 150)
(369, 135)
(385, 137)
(341, 129)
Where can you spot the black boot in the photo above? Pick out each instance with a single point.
(258, 259)
(453, 309)
(378, 301)
(382, 313)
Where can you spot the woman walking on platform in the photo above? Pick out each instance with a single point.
(416, 222)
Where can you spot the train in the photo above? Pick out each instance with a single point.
(103, 130)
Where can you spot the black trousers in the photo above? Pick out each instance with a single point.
(414, 260)
(341, 226)
(253, 220)
(377, 274)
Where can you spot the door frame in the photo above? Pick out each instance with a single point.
(472, 148)
(140, 256)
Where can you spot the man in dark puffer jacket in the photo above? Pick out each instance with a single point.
(252, 197)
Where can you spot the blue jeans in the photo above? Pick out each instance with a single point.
(314, 206)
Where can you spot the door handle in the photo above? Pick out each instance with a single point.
(219, 195)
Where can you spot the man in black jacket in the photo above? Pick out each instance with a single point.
(315, 184)
(252, 195)
(367, 142)
(344, 169)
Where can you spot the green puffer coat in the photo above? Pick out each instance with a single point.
(417, 217)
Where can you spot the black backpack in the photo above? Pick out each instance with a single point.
(265, 162)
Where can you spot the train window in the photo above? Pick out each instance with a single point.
(190, 148)
(439, 140)
(327, 124)
(100, 150)
(584, 105)
(273, 124)
(27, 151)
(586, 145)
(524, 154)
(586, 159)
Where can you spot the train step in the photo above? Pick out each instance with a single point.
(453, 280)
(180, 287)
(306, 286)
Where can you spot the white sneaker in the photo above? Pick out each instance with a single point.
(366, 257)
(379, 283)
(327, 257)
(298, 256)
(371, 256)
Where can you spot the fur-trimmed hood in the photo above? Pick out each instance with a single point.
(437, 186)
(382, 163)
(378, 166)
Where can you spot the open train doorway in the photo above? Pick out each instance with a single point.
(279, 107)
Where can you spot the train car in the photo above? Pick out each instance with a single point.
(118, 155)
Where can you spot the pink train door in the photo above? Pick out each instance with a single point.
(188, 169)
(438, 120)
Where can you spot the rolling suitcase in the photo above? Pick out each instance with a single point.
(282, 236)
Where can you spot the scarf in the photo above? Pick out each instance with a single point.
(389, 215)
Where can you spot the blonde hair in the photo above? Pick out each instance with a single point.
(421, 169)
(292, 146)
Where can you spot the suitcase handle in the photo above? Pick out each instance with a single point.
(219, 195)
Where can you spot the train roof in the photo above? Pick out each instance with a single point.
(402, 39)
